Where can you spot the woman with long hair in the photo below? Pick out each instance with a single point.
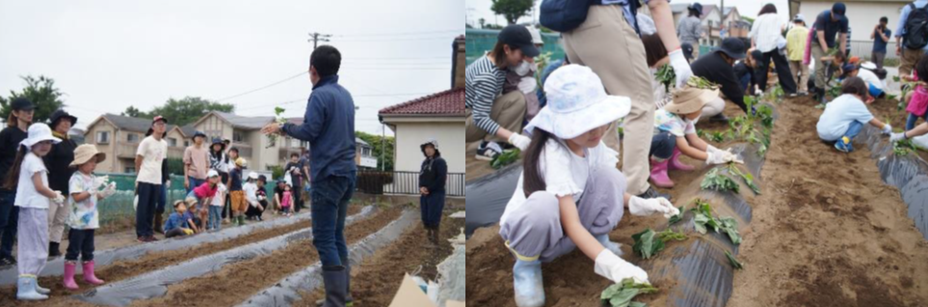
(16, 129)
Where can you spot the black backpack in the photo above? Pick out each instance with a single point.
(566, 15)
(916, 28)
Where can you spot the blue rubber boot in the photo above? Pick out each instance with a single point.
(611, 246)
(844, 145)
(25, 289)
(528, 286)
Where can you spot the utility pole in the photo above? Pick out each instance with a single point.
(317, 37)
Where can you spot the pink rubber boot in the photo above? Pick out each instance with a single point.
(659, 174)
(675, 162)
(89, 275)
(69, 267)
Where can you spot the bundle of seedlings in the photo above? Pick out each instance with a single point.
(704, 219)
(648, 243)
(621, 294)
(506, 158)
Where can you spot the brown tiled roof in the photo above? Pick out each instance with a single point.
(450, 102)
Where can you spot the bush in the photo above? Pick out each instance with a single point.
(277, 172)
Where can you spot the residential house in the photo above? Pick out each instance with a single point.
(731, 26)
(260, 152)
(862, 16)
(119, 136)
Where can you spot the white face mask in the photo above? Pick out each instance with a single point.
(524, 68)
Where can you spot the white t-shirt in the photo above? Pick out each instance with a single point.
(673, 123)
(839, 114)
(26, 194)
(565, 173)
(84, 213)
(870, 78)
(250, 189)
(220, 190)
(153, 153)
(766, 32)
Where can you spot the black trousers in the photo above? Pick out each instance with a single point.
(80, 243)
(783, 72)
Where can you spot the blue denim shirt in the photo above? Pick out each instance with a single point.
(900, 29)
(328, 126)
(175, 220)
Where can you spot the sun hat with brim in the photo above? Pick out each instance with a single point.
(83, 154)
(868, 65)
(733, 47)
(240, 162)
(61, 115)
(37, 133)
(690, 99)
(577, 103)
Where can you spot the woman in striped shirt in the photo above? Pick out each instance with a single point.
(490, 117)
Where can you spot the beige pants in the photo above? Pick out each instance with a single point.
(909, 59)
(610, 47)
(713, 108)
(508, 111)
(820, 67)
(802, 78)
(57, 217)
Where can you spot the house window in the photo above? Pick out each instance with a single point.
(238, 136)
(103, 137)
(132, 137)
(172, 142)
(366, 151)
(130, 169)
(186, 143)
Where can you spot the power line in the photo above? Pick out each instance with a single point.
(317, 37)
(399, 33)
(394, 39)
(264, 87)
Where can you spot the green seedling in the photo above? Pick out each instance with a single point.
(747, 177)
(676, 218)
(717, 136)
(279, 119)
(666, 76)
(717, 181)
(701, 83)
(621, 294)
(704, 219)
(647, 244)
(668, 235)
(505, 158)
(903, 147)
(734, 262)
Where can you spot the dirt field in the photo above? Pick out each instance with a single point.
(376, 280)
(825, 232)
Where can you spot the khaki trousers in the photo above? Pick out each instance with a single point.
(57, 217)
(607, 44)
(508, 111)
(800, 75)
(820, 67)
(909, 59)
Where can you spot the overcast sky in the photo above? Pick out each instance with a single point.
(477, 9)
(108, 55)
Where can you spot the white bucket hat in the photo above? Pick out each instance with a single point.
(253, 175)
(577, 103)
(37, 133)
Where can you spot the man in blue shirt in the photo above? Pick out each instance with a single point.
(909, 56)
(827, 25)
(880, 36)
(328, 126)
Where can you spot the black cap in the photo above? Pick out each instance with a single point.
(22, 103)
(839, 8)
(695, 7)
(61, 114)
(756, 54)
(200, 134)
(518, 37)
(262, 178)
(733, 47)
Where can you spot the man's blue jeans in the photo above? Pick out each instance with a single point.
(9, 218)
(194, 183)
(330, 197)
(853, 129)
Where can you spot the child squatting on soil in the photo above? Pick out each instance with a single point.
(29, 177)
(179, 223)
(846, 115)
(86, 189)
(675, 134)
(917, 99)
(570, 194)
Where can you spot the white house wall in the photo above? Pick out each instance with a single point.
(862, 17)
(450, 136)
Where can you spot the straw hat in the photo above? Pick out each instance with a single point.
(240, 162)
(39, 132)
(85, 152)
(577, 103)
(690, 99)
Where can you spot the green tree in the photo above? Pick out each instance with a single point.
(42, 92)
(187, 110)
(379, 147)
(132, 111)
(512, 9)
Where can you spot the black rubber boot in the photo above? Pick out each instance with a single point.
(336, 286)
(652, 193)
(53, 249)
(159, 223)
(349, 301)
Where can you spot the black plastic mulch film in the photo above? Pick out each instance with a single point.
(289, 290)
(155, 284)
(55, 267)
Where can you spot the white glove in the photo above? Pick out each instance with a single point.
(100, 182)
(641, 207)
(109, 190)
(710, 148)
(262, 197)
(58, 199)
(887, 129)
(519, 141)
(895, 137)
(610, 266)
(681, 68)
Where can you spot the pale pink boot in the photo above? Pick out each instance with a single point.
(69, 267)
(659, 174)
(89, 275)
(675, 162)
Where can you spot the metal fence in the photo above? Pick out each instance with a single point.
(404, 183)
(864, 48)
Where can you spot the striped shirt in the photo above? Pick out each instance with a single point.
(483, 82)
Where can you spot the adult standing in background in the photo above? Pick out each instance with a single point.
(690, 28)
(328, 126)
(16, 126)
(304, 162)
(828, 25)
(295, 169)
(608, 38)
(880, 37)
(910, 38)
(432, 177)
(196, 162)
(58, 162)
(767, 38)
(795, 50)
(149, 158)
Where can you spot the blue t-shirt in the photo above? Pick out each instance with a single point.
(175, 220)
(831, 27)
(878, 44)
(839, 114)
(236, 177)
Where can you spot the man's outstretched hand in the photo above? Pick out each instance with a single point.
(272, 128)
